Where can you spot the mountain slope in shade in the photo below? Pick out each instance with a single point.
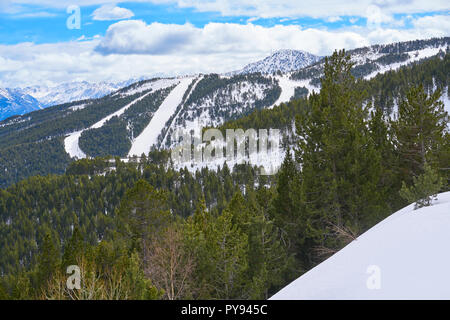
(403, 257)
(282, 60)
(15, 102)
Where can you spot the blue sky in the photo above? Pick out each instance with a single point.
(123, 39)
(40, 24)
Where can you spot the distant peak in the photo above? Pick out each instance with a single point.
(283, 60)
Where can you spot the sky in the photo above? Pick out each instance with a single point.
(51, 42)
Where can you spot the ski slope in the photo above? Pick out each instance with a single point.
(413, 57)
(288, 86)
(406, 256)
(149, 136)
(71, 141)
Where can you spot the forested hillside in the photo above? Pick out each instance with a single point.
(233, 234)
(47, 141)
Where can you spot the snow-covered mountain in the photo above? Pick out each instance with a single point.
(16, 102)
(210, 100)
(146, 114)
(402, 257)
(74, 91)
(153, 110)
(282, 60)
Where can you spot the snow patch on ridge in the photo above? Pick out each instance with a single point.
(153, 85)
(413, 56)
(288, 86)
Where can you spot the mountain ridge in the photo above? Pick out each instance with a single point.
(283, 60)
(208, 101)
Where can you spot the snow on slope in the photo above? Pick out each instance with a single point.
(270, 162)
(288, 86)
(149, 136)
(407, 252)
(72, 91)
(180, 111)
(413, 56)
(282, 60)
(72, 147)
(15, 102)
(446, 101)
(71, 141)
(155, 85)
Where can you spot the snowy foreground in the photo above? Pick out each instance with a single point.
(406, 256)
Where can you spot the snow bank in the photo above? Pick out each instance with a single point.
(406, 256)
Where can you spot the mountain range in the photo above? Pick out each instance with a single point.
(95, 182)
(19, 101)
(32, 98)
(145, 114)
(16, 101)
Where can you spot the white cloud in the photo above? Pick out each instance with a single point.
(334, 19)
(111, 12)
(440, 24)
(136, 37)
(133, 48)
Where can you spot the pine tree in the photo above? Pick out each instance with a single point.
(381, 135)
(73, 249)
(419, 131)
(424, 189)
(285, 211)
(142, 214)
(48, 261)
(340, 166)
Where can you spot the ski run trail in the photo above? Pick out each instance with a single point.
(148, 137)
(71, 142)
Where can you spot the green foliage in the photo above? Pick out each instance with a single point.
(238, 254)
(110, 139)
(143, 211)
(424, 189)
(48, 261)
(419, 131)
(300, 92)
(115, 136)
(232, 233)
(341, 168)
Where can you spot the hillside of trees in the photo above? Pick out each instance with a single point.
(142, 230)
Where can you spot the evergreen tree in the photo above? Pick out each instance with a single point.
(142, 214)
(73, 249)
(284, 211)
(419, 131)
(48, 261)
(425, 188)
(340, 167)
